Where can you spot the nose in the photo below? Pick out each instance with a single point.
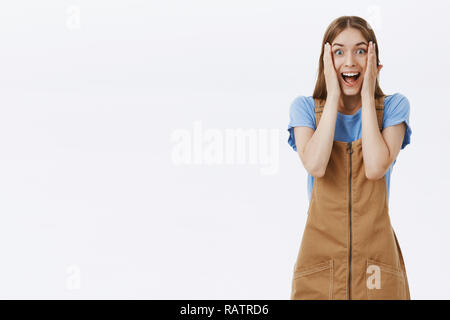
(349, 60)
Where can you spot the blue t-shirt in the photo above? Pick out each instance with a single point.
(348, 127)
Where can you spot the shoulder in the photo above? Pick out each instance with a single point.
(302, 112)
(304, 102)
(396, 107)
(395, 101)
(396, 110)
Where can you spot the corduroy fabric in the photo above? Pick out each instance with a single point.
(348, 243)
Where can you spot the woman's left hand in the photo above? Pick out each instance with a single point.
(371, 73)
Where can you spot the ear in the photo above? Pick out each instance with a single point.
(379, 67)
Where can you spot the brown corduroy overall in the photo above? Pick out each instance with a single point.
(349, 249)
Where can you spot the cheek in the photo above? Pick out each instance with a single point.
(363, 62)
(337, 63)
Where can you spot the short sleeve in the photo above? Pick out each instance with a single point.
(301, 114)
(395, 112)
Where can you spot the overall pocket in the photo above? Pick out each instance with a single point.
(314, 282)
(384, 282)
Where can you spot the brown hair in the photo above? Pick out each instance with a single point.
(337, 26)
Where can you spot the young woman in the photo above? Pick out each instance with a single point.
(348, 135)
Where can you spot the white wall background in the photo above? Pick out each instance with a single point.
(92, 94)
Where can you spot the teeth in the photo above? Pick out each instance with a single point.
(350, 74)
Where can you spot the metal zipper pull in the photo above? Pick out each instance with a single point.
(349, 147)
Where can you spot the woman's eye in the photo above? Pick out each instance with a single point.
(338, 50)
(363, 51)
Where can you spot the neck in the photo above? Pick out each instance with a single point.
(349, 104)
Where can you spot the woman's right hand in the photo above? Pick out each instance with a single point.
(331, 77)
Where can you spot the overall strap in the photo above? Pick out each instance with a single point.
(379, 107)
(319, 105)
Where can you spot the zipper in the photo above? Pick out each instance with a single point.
(350, 151)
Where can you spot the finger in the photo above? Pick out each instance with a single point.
(371, 52)
(327, 52)
(327, 56)
(372, 61)
(374, 54)
(331, 57)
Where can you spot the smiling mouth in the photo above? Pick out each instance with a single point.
(350, 80)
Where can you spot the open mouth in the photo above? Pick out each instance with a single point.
(350, 78)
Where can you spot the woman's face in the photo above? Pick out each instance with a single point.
(349, 50)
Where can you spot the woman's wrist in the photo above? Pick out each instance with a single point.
(367, 95)
(333, 96)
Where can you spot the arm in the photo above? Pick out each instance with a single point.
(314, 147)
(379, 149)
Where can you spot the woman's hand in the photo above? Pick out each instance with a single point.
(371, 73)
(331, 77)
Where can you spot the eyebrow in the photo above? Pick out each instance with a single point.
(359, 43)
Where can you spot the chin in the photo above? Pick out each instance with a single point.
(350, 91)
